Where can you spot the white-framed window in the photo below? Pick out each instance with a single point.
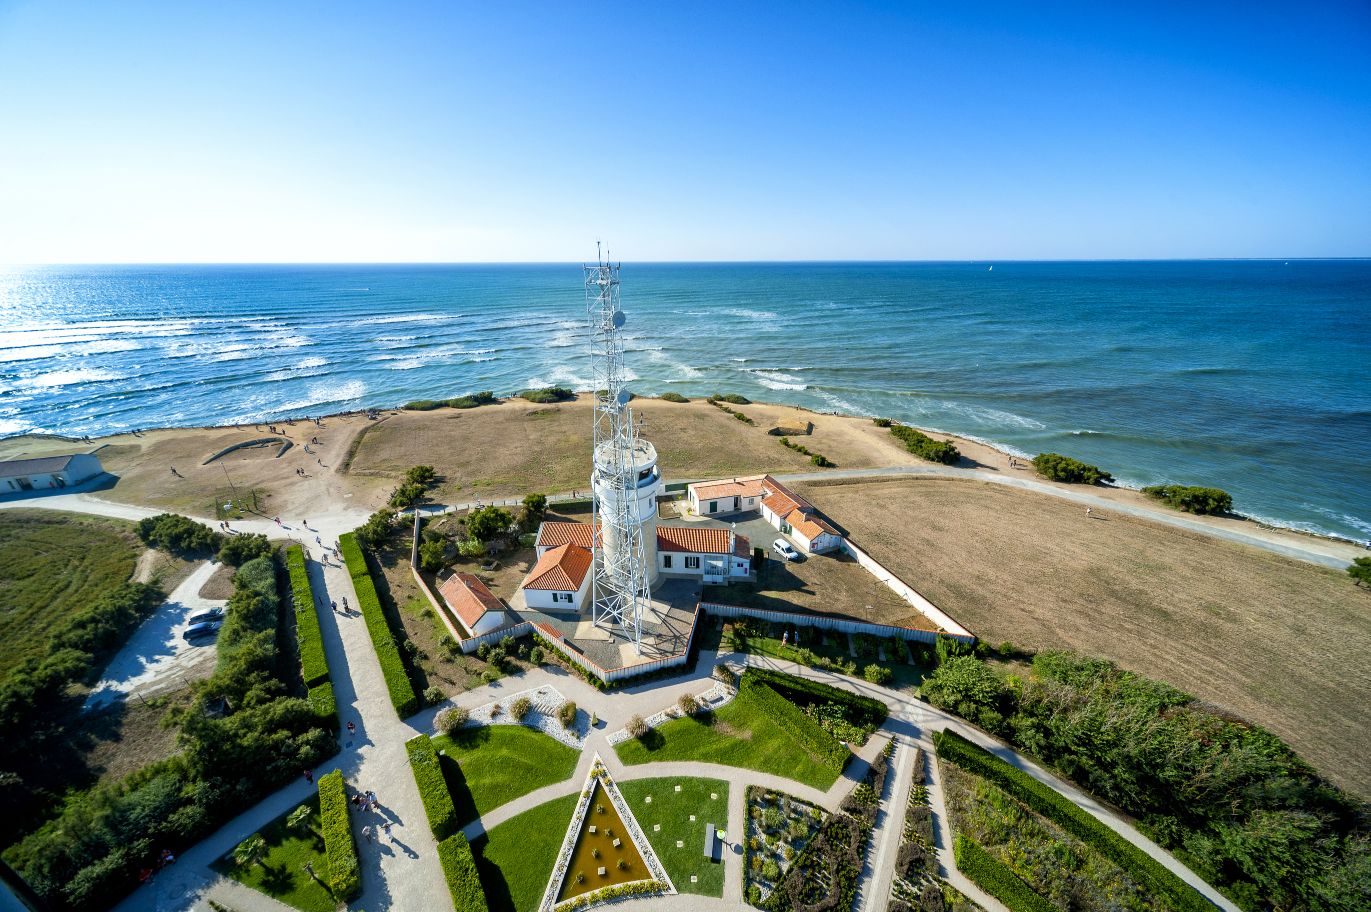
(666, 561)
(692, 562)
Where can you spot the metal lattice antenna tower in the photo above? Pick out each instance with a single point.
(625, 477)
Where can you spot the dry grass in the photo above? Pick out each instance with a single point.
(1280, 642)
(220, 583)
(822, 584)
(134, 737)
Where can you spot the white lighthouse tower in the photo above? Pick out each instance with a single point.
(625, 480)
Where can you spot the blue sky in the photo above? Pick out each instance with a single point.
(343, 131)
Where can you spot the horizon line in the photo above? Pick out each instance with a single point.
(993, 260)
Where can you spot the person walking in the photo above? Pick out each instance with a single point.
(309, 776)
(385, 828)
(352, 727)
(371, 796)
(366, 831)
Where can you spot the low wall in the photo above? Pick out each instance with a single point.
(451, 623)
(908, 593)
(843, 625)
(260, 441)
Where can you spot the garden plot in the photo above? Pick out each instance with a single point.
(778, 828)
(544, 704)
(709, 701)
(675, 815)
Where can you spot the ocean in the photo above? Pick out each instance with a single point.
(1253, 376)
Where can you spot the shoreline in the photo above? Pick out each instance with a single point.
(963, 442)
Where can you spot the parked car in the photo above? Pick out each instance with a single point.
(784, 549)
(209, 614)
(201, 630)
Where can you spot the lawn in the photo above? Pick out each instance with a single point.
(906, 676)
(515, 859)
(52, 564)
(740, 734)
(498, 763)
(671, 810)
(281, 873)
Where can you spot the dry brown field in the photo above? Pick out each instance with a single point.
(1282, 643)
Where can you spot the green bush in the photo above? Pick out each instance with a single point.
(1056, 467)
(877, 674)
(967, 686)
(239, 549)
(488, 523)
(433, 790)
(324, 704)
(821, 461)
(398, 684)
(1191, 499)
(459, 869)
(732, 398)
(672, 397)
(882, 422)
(547, 394)
(1149, 874)
(984, 870)
(378, 528)
(178, 534)
(471, 400)
(313, 662)
(866, 713)
(344, 880)
(924, 446)
(407, 495)
(826, 748)
(1360, 571)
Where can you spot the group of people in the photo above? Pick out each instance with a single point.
(166, 858)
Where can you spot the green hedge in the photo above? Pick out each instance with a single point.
(1137, 864)
(344, 880)
(471, 400)
(1056, 467)
(986, 871)
(866, 712)
(428, 774)
(459, 868)
(402, 695)
(831, 753)
(924, 446)
(1192, 499)
(313, 662)
(324, 704)
(548, 394)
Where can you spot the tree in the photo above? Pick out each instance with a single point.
(489, 522)
(299, 818)
(433, 555)
(376, 531)
(471, 549)
(239, 549)
(421, 475)
(1360, 571)
(536, 504)
(250, 851)
(407, 495)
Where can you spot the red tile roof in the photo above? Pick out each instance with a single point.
(469, 598)
(561, 569)
(694, 540)
(734, 487)
(810, 525)
(552, 534)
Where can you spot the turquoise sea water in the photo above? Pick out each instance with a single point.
(1253, 376)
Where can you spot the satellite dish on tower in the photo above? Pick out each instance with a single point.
(618, 319)
(622, 399)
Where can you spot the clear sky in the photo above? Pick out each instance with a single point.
(493, 131)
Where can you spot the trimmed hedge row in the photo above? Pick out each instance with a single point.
(831, 753)
(459, 869)
(313, 662)
(867, 711)
(986, 871)
(344, 880)
(428, 774)
(1137, 864)
(324, 704)
(401, 689)
(924, 446)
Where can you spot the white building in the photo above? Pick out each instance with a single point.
(561, 578)
(787, 511)
(712, 554)
(474, 605)
(734, 495)
(47, 472)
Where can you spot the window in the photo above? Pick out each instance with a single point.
(692, 562)
(561, 597)
(666, 561)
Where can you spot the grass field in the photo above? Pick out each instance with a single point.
(281, 873)
(740, 734)
(672, 810)
(52, 564)
(515, 859)
(1280, 642)
(498, 763)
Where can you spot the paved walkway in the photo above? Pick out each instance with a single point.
(873, 891)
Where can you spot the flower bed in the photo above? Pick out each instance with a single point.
(542, 715)
(778, 828)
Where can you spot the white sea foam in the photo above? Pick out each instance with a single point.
(12, 426)
(778, 381)
(392, 341)
(312, 362)
(30, 353)
(409, 318)
(59, 378)
(748, 314)
(405, 364)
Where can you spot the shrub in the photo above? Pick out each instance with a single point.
(535, 655)
(1360, 570)
(459, 870)
(449, 721)
(471, 400)
(519, 708)
(1143, 868)
(420, 475)
(178, 534)
(566, 714)
(344, 880)
(673, 397)
(313, 661)
(637, 727)
(866, 713)
(471, 549)
(488, 523)
(407, 495)
(401, 690)
(423, 405)
(882, 422)
(376, 531)
(967, 686)
(924, 446)
(877, 674)
(986, 871)
(433, 693)
(547, 394)
(1191, 499)
(689, 706)
(732, 398)
(239, 549)
(1056, 467)
(433, 555)
(324, 704)
(725, 675)
(822, 462)
(433, 791)
(826, 748)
